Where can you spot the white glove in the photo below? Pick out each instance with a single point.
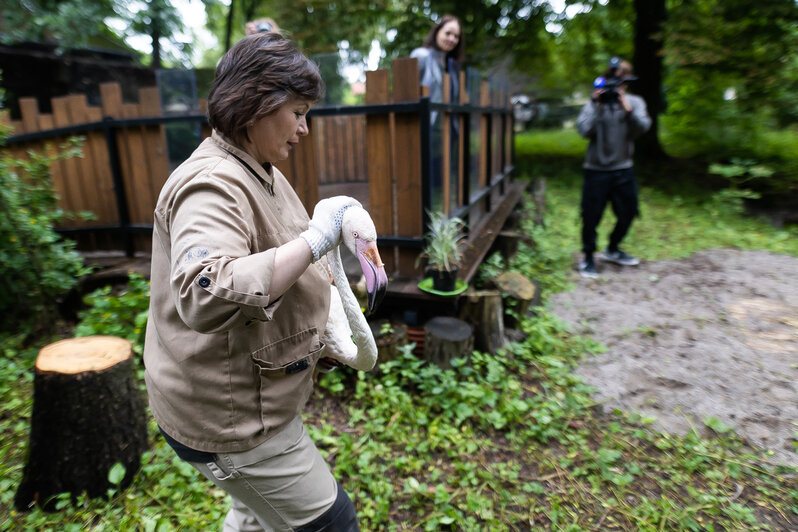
(324, 229)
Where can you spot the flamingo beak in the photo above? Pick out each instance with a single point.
(373, 272)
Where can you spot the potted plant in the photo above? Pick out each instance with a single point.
(443, 250)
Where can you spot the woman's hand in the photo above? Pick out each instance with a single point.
(324, 229)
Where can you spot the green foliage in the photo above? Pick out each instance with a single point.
(39, 266)
(507, 442)
(443, 248)
(71, 23)
(671, 225)
(120, 313)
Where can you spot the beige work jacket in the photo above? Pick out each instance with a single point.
(226, 366)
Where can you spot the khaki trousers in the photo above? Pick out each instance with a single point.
(280, 484)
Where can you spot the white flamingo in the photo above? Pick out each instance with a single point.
(346, 321)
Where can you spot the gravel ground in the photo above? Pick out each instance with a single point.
(713, 335)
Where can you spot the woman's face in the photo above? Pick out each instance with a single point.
(448, 36)
(273, 136)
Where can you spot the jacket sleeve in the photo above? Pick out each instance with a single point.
(586, 122)
(217, 283)
(639, 121)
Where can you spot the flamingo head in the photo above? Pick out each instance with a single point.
(360, 237)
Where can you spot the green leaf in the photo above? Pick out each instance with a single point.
(116, 473)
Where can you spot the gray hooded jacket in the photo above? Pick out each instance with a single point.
(612, 132)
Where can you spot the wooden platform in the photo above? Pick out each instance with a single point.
(484, 236)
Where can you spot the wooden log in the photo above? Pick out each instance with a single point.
(521, 293)
(88, 414)
(507, 244)
(483, 309)
(446, 338)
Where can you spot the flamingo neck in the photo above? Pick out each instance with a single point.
(366, 346)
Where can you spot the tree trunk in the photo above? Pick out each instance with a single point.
(447, 338)
(649, 25)
(389, 337)
(156, 50)
(484, 311)
(88, 415)
(228, 32)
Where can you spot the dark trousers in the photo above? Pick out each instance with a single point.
(619, 187)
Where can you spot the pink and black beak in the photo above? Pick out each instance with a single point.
(374, 273)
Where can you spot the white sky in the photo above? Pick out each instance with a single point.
(193, 14)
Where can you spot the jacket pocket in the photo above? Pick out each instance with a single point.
(286, 376)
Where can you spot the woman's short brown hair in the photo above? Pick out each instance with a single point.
(256, 77)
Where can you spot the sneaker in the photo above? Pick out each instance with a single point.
(587, 269)
(619, 257)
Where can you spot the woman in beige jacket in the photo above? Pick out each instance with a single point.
(239, 297)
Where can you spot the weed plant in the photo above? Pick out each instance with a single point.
(507, 442)
(39, 267)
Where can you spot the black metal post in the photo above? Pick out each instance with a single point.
(119, 185)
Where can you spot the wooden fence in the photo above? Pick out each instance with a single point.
(385, 150)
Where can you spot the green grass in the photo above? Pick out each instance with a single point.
(508, 442)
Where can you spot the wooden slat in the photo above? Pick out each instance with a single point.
(360, 140)
(484, 100)
(111, 105)
(85, 180)
(29, 108)
(70, 172)
(378, 163)
(97, 149)
(155, 146)
(461, 143)
(320, 138)
(408, 164)
(304, 168)
(205, 132)
(137, 182)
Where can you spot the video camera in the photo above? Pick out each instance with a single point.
(611, 83)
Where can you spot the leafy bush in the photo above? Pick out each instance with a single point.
(39, 266)
(122, 314)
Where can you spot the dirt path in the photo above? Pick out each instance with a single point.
(713, 335)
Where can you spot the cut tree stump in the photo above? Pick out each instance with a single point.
(446, 338)
(88, 414)
(520, 292)
(483, 309)
(389, 337)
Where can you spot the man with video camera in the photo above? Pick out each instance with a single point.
(611, 120)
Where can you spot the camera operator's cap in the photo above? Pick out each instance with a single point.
(615, 62)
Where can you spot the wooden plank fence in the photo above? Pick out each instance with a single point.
(380, 149)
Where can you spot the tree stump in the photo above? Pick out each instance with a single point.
(389, 337)
(88, 414)
(483, 309)
(447, 338)
(521, 294)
